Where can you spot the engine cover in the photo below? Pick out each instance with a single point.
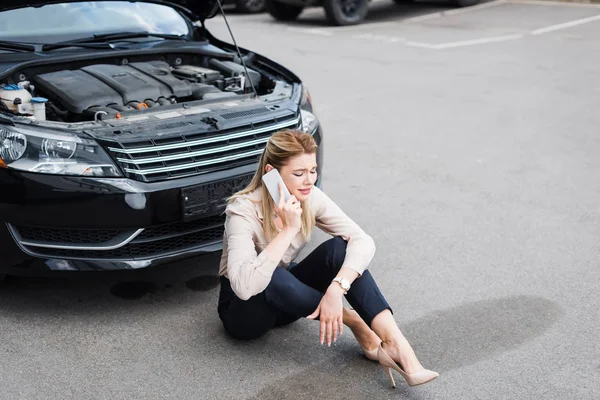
(104, 84)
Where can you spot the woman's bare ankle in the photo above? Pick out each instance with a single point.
(394, 341)
(402, 352)
(365, 337)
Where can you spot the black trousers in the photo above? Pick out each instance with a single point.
(295, 293)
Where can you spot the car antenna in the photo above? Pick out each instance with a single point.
(239, 53)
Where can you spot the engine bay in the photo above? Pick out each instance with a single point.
(108, 90)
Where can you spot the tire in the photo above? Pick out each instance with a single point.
(346, 12)
(283, 12)
(251, 6)
(465, 3)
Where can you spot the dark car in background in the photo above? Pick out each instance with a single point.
(247, 6)
(124, 126)
(339, 12)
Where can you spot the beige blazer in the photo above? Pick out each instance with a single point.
(245, 261)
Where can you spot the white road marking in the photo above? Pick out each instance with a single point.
(421, 45)
(552, 3)
(439, 46)
(474, 42)
(473, 8)
(379, 38)
(312, 31)
(565, 25)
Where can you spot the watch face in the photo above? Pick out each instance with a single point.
(345, 284)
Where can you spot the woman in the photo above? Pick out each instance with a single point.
(260, 286)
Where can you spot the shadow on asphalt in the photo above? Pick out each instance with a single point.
(445, 340)
(55, 288)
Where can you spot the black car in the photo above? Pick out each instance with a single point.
(338, 12)
(124, 125)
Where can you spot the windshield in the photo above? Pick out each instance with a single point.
(66, 21)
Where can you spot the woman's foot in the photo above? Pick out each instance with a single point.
(412, 379)
(401, 352)
(365, 337)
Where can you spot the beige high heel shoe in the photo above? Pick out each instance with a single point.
(414, 379)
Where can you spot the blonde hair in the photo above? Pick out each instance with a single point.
(282, 146)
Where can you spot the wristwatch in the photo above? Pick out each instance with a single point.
(343, 283)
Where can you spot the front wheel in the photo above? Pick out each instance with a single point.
(283, 12)
(346, 12)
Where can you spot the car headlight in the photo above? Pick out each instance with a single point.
(310, 122)
(51, 152)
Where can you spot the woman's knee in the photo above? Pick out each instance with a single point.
(248, 327)
(247, 333)
(336, 252)
(283, 286)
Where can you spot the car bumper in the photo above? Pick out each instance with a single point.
(77, 223)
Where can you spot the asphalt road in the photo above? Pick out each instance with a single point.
(465, 143)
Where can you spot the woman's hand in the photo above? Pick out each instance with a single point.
(331, 311)
(290, 212)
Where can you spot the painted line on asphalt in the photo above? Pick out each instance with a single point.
(311, 31)
(463, 43)
(553, 3)
(421, 45)
(379, 38)
(565, 25)
(438, 46)
(473, 8)
(474, 42)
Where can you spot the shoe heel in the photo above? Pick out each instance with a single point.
(389, 374)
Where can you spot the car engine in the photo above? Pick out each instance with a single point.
(106, 90)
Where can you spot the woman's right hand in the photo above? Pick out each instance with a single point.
(290, 212)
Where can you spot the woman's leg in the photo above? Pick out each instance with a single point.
(244, 320)
(318, 270)
(364, 335)
(285, 299)
(299, 290)
(365, 297)
(394, 343)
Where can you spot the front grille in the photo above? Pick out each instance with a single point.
(157, 159)
(167, 230)
(60, 235)
(154, 241)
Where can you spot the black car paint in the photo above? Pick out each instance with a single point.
(67, 202)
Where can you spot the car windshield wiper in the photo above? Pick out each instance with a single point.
(91, 42)
(62, 45)
(131, 35)
(6, 45)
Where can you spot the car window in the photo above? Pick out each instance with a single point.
(65, 21)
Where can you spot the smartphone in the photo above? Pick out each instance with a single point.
(271, 180)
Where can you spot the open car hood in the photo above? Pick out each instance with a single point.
(195, 9)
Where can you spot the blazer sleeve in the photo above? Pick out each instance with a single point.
(249, 273)
(332, 220)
